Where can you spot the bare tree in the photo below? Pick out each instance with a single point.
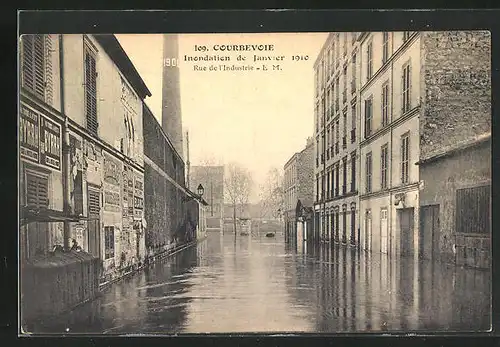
(238, 184)
(272, 193)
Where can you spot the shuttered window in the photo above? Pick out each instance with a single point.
(37, 191)
(473, 210)
(406, 83)
(33, 61)
(94, 203)
(405, 154)
(91, 89)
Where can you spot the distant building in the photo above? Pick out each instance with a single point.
(212, 179)
(298, 188)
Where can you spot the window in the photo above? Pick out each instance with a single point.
(344, 93)
(353, 70)
(406, 102)
(353, 172)
(405, 154)
(337, 135)
(90, 89)
(368, 117)
(36, 74)
(383, 166)
(369, 61)
(37, 191)
(473, 210)
(109, 242)
(344, 175)
(385, 104)
(337, 94)
(327, 193)
(322, 186)
(345, 44)
(332, 187)
(353, 123)
(353, 37)
(337, 179)
(385, 47)
(369, 172)
(317, 187)
(344, 138)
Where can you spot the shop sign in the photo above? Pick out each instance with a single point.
(29, 134)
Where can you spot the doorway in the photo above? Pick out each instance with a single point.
(429, 232)
(406, 230)
(368, 231)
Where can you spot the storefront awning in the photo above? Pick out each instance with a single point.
(31, 215)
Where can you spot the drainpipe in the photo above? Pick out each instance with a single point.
(392, 243)
(66, 164)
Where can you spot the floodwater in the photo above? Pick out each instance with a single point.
(260, 284)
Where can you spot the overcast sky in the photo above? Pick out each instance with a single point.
(256, 118)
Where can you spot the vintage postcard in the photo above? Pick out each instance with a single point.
(326, 182)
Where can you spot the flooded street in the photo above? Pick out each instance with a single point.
(260, 284)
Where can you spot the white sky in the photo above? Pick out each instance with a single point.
(258, 119)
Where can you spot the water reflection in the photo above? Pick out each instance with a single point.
(259, 284)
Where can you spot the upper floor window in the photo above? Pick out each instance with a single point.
(345, 44)
(369, 60)
(36, 65)
(385, 104)
(90, 86)
(405, 154)
(384, 157)
(406, 84)
(368, 116)
(368, 172)
(385, 47)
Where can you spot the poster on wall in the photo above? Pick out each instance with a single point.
(138, 196)
(29, 132)
(50, 143)
(112, 174)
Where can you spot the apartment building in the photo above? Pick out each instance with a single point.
(298, 194)
(423, 93)
(389, 146)
(337, 100)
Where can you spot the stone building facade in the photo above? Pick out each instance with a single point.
(81, 99)
(337, 76)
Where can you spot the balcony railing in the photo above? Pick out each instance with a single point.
(353, 135)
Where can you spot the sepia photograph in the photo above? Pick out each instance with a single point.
(298, 182)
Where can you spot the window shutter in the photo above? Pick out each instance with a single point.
(48, 70)
(409, 86)
(91, 91)
(33, 64)
(39, 65)
(37, 191)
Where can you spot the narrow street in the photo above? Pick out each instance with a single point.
(259, 284)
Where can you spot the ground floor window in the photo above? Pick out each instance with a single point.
(109, 242)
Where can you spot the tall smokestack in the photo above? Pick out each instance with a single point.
(171, 117)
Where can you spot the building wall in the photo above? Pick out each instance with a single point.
(119, 203)
(456, 110)
(164, 189)
(305, 173)
(441, 180)
(456, 70)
